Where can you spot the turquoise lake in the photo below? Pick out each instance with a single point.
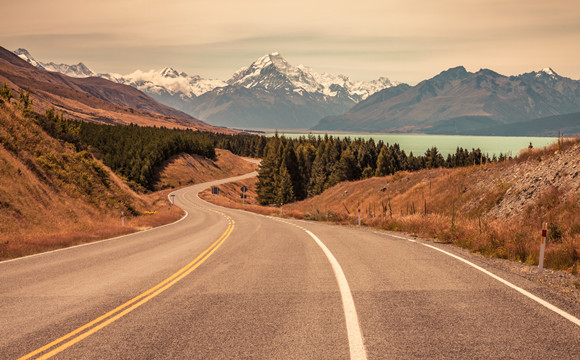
(447, 144)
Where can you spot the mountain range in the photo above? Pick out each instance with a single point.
(270, 93)
(88, 98)
(459, 102)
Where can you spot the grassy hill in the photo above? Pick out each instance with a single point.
(52, 195)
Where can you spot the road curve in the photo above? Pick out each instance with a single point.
(223, 284)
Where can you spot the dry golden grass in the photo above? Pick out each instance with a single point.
(53, 197)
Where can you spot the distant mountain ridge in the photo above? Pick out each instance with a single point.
(270, 93)
(89, 98)
(458, 102)
(79, 70)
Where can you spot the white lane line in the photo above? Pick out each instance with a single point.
(355, 339)
(540, 301)
(558, 311)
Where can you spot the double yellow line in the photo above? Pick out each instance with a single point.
(92, 327)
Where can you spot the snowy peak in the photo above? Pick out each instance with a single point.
(79, 70)
(172, 73)
(547, 72)
(273, 72)
(168, 81)
(270, 71)
(25, 55)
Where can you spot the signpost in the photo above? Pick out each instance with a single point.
(214, 191)
(542, 247)
(244, 189)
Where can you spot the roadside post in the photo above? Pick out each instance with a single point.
(542, 247)
(358, 217)
(172, 199)
(122, 218)
(244, 189)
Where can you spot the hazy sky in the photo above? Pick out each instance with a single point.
(406, 40)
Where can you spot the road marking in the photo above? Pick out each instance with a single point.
(138, 300)
(540, 301)
(558, 311)
(355, 338)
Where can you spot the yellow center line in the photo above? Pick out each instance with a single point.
(145, 296)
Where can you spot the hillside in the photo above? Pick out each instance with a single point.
(185, 169)
(53, 196)
(90, 99)
(568, 124)
(495, 209)
(460, 102)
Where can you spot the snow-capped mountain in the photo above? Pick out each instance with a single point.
(167, 81)
(273, 72)
(270, 93)
(79, 70)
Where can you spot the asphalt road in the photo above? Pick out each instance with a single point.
(226, 284)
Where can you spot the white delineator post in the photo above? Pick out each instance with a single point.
(359, 217)
(122, 218)
(542, 247)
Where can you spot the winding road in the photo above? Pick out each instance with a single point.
(229, 284)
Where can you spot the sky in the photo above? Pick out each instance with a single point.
(404, 40)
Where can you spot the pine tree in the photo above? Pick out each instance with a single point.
(25, 102)
(433, 159)
(284, 193)
(384, 166)
(345, 169)
(291, 162)
(318, 176)
(268, 174)
(5, 93)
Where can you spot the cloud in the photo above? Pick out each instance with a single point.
(404, 40)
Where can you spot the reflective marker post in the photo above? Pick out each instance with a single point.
(542, 247)
(244, 189)
(359, 217)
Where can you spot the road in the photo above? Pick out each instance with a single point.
(226, 284)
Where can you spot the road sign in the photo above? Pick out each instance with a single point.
(244, 189)
(215, 190)
(244, 196)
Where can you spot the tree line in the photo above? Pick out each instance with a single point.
(134, 153)
(293, 169)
